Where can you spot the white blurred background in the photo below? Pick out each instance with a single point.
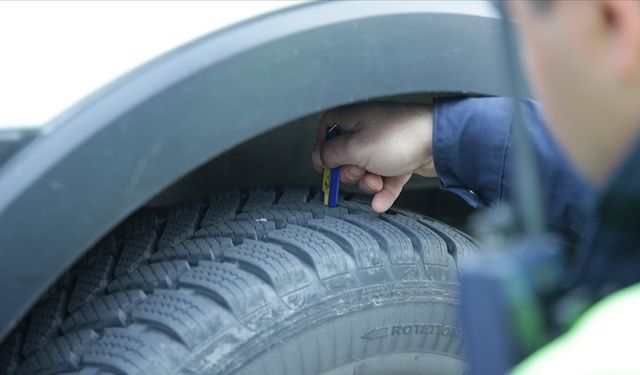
(54, 53)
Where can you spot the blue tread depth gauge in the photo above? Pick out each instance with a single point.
(331, 176)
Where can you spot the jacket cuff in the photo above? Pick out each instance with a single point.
(470, 143)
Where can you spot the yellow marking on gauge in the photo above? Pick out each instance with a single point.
(326, 184)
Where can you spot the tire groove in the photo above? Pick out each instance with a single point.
(415, 242)
(299, 254)
(451, 246)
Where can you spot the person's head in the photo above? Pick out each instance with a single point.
(583, 60)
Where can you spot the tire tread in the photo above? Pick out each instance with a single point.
(168, 281)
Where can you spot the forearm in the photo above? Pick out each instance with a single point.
(474, 158)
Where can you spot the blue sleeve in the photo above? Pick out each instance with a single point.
(473, 158)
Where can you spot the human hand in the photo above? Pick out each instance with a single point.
(381, 145)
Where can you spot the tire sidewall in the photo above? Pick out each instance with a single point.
(356, 329)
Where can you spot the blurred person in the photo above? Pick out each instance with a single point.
(583, 60)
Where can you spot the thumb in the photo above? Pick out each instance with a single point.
(384, 199)
(337, 151)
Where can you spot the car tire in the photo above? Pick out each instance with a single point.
(259, 282)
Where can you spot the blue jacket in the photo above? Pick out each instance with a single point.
(473, 158)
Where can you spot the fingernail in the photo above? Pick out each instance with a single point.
(371, 188)
(315, 157)
(353, 174)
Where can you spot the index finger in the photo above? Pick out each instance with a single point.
(344, 117)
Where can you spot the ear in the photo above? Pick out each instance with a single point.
(621, 18)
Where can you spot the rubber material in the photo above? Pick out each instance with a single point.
(266, 282)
